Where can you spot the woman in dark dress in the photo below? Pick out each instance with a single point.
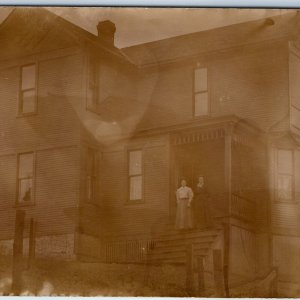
(202, 209)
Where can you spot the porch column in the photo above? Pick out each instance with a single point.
(228, 189)
(228, 163)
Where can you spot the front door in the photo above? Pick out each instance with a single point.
(187, 165)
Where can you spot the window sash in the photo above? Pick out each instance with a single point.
(135, 175)
(25, 187)
(93, 81)
(91, 173)
(135, 162)
(285, 175)
(201, 97)
(28, 78)
(136, 188)
(285, 187)
(201, 104)
(285, 162)
(91, 187)
(200, 80)
(28, 94)
(25, 180)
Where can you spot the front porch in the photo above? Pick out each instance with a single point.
(231, 156)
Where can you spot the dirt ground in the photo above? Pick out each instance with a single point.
(64, 278)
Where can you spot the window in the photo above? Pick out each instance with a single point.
(91, 178)
(27, 101)
(285, 175)
(93, 82)
(135, 175)
(201, 101)
(25, 178)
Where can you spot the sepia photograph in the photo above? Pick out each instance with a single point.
(149, 152)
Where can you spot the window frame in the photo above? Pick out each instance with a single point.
(21, 91)
(18, 179)
(277, 174)
(93, 175)
(128, 200)
(92, 93)
(201, 92)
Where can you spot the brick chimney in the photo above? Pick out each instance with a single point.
(106, 31)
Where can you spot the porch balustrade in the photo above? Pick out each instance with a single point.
(242, 208)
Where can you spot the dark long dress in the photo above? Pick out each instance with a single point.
(202, 207)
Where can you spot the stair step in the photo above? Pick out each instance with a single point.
(178, 237)
(177, 253)
(181, 246)
(186, 241)
(191, 231)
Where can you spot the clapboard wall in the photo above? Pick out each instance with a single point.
(53, 134)
(250, 82)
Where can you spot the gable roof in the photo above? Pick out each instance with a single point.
(242, 34)
(28, 27)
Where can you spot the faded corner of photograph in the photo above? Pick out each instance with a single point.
(149, 152)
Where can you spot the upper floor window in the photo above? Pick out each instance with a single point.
(91, 174)
(27, 100)
(135, 175)
(25, 178)
(285, 175)
(93, 82)
(201, 100)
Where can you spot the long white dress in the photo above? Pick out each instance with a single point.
(184, 218)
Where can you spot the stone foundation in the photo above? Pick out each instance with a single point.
(54, 246)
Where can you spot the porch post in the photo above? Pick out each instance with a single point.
(171, 203)
(228, 189)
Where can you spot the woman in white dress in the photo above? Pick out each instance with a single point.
(184, 197)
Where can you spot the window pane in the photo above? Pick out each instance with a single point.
(136, 188)
(28, 77)
(284, 187)
(135, 162)
(28, 101)
(200, 80)
(285, 161)
(91, 161)
(201, 104)
(91, 187)
(25, 190)
(26, 165)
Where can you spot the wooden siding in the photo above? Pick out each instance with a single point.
(286, 215)
(130, 218)
(53, 134)
(56, 122)
(286, 257)
(56, 191)
(242, 84)
(250, 179)
(294, 85)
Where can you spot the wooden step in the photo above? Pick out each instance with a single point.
(182, 245)
(180, 252)
(185, 235)
(187, 241)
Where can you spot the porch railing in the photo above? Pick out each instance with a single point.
(242, 208)
(135, 251)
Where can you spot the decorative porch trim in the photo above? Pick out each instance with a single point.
(196, 137)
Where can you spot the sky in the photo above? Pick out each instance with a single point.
(141, 25)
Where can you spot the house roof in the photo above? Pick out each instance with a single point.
(28, 27)
(237, 35)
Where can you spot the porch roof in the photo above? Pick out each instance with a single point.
(222, 124)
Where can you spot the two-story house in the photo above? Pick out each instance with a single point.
(48, 153)
(95, 141)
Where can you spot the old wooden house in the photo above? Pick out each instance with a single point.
(94, 141)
